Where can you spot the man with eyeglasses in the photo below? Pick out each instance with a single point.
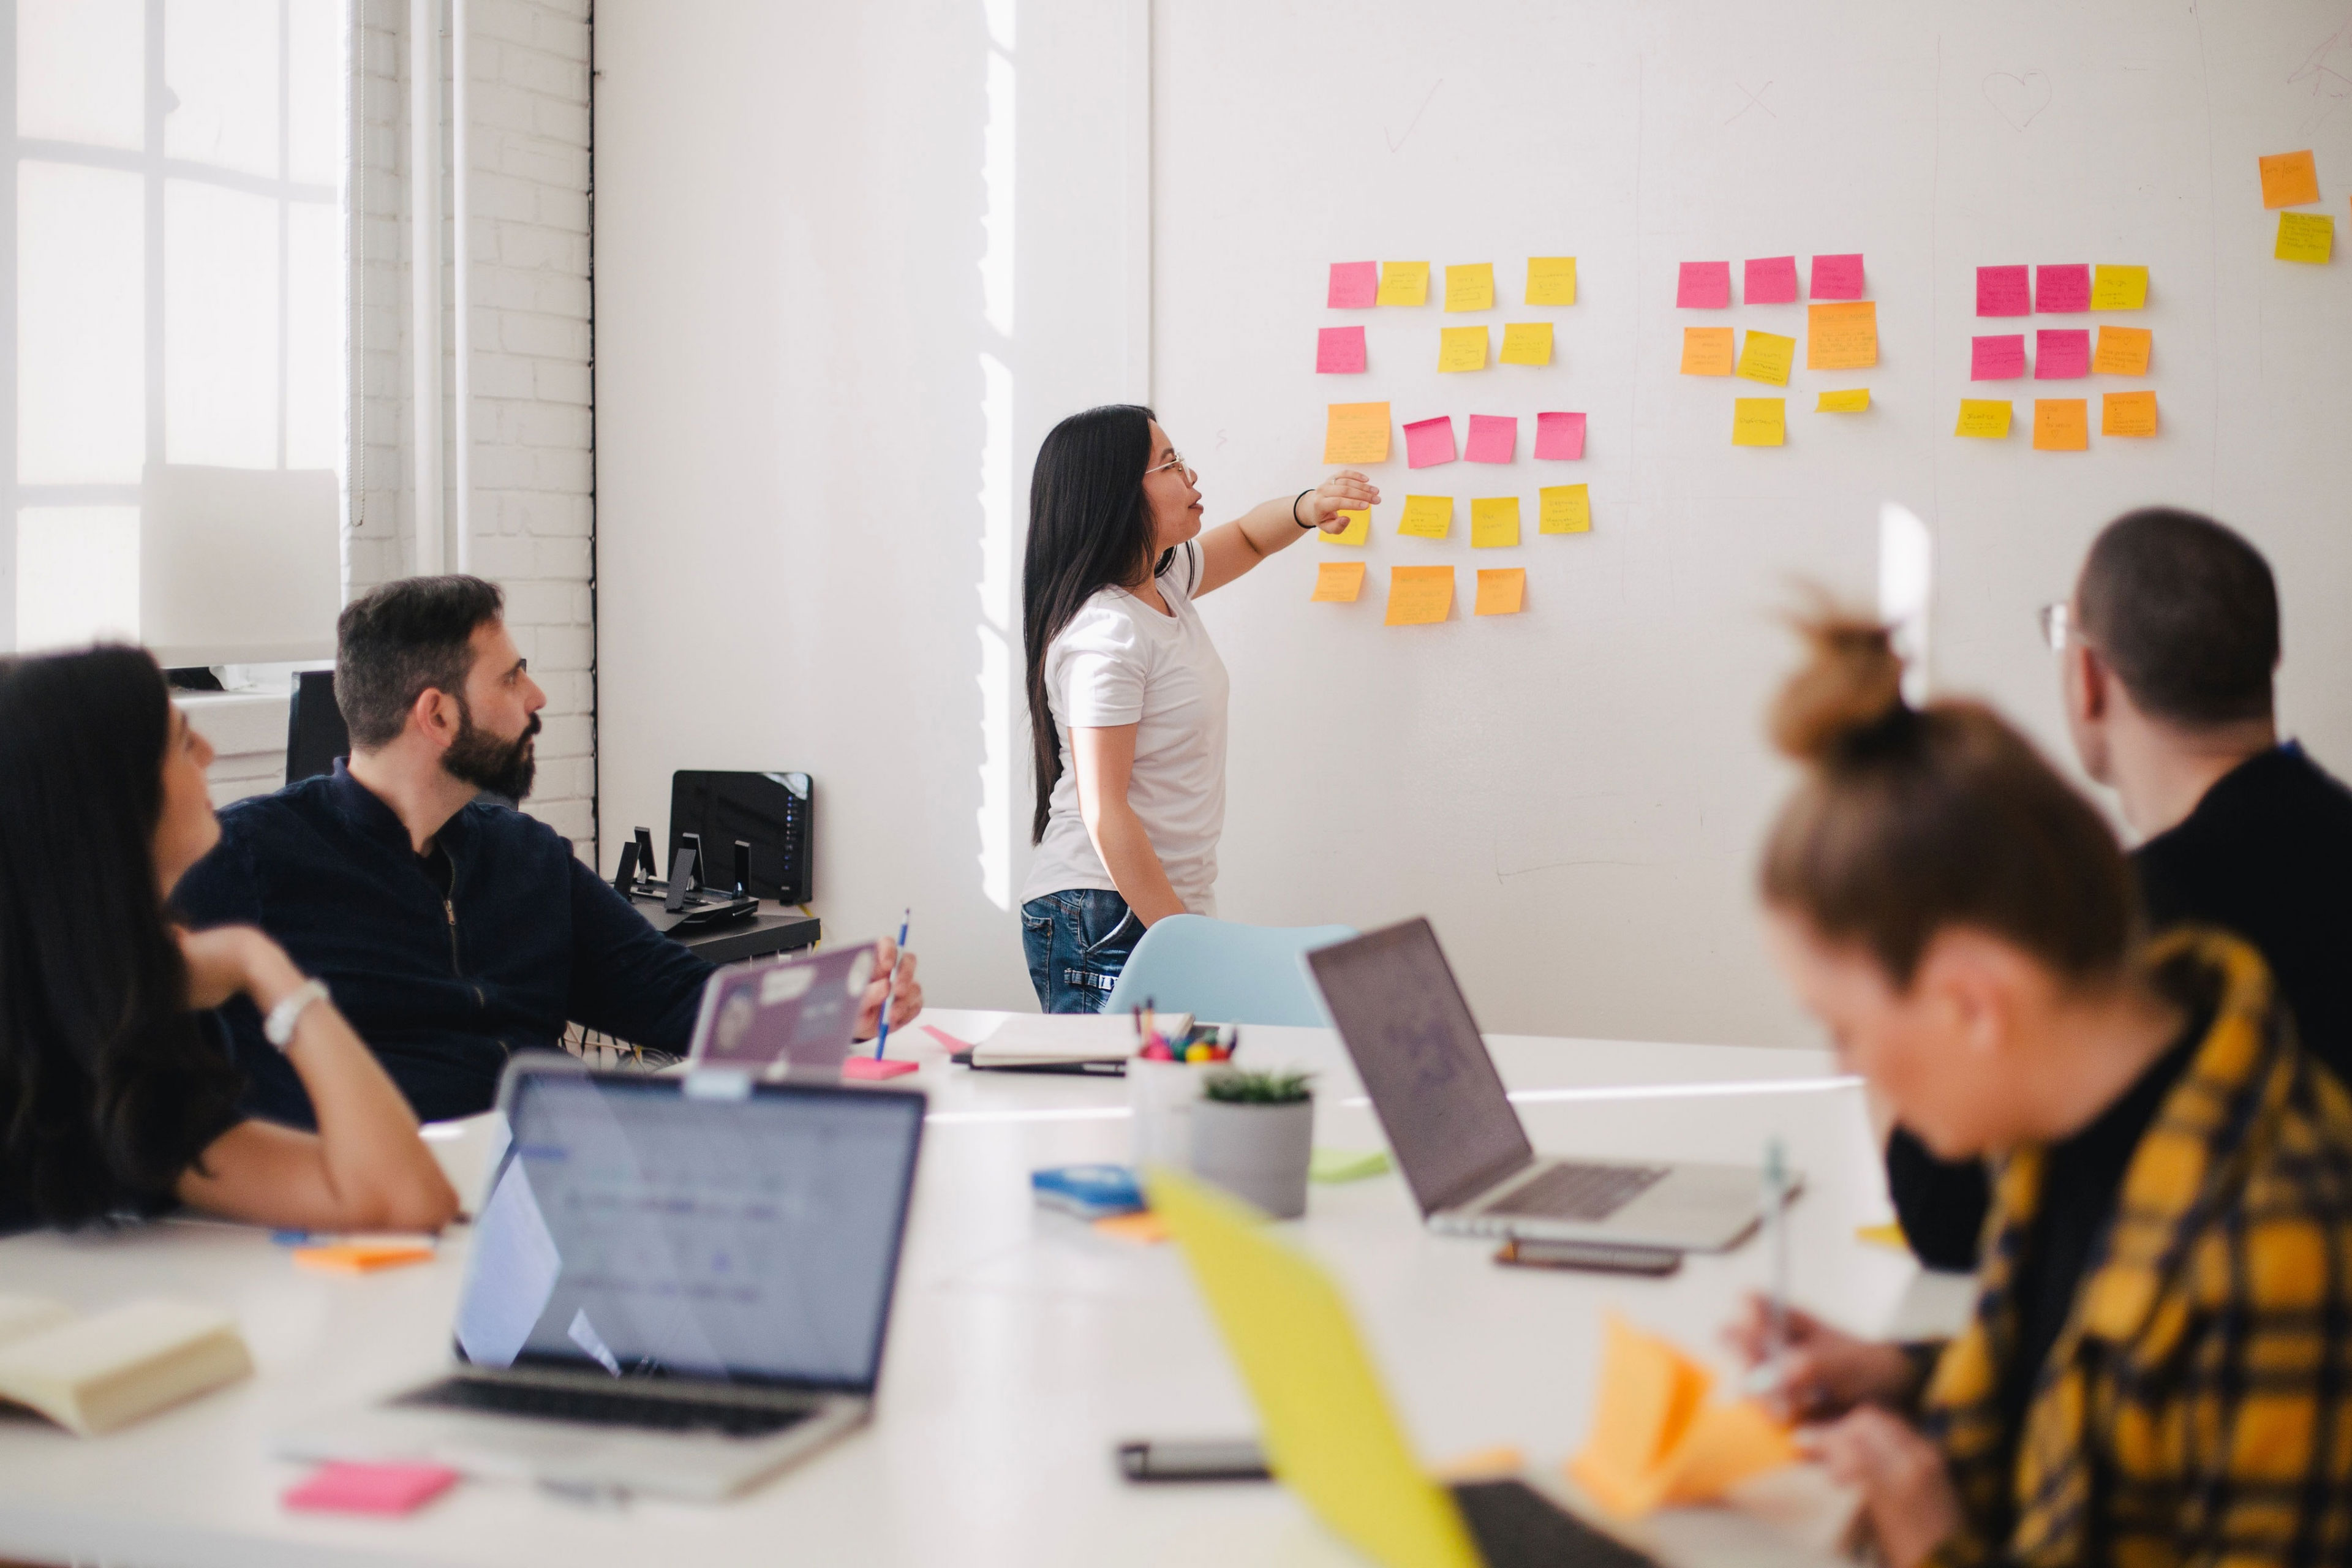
(2167, 652)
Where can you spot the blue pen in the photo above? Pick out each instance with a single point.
(882, 1039)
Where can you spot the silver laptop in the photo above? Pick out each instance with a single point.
(1465, 1154)
(677, 1285)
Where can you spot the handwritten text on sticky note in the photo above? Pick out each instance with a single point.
(1565, 509)
(1470, 286)
(1526, 342)
(1999, 356)
(1759, 421)
(1837, 277)
(2305, 237)
(1853, 400)
(1338, 351)
(1404, 283)
(1985, 418)
(1428, 442)
(1426, 517)
(2002, 291)
(1707, 351)
(1354, 285)
(2128, 413)
(1338, 583)
(1501, 590)
(1420, 596)
(1462, 348)
(1356, 433)
(2063, 290)
(1551, 280)
(1770, 280)
(1842, 337)
(2122, 351)
(1494, 521)
(2119, 287)
(2062, 424)
(2061, 353)
(1704, 286)
(1766, 356)
(1560, 437)
(2289, 180)
(1493, 438)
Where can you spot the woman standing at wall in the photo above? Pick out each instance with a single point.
(1127, 695)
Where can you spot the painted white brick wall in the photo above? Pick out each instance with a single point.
(532, 470)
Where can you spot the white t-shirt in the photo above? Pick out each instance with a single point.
(1120, 661)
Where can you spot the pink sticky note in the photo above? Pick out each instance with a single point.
(2061, 353)
(1996, 359)
(1706, 285)
(1338, 351)
(1837, 277)
(1355, 285)
(1560, 436)
(1493, 438)
(1429, 442)
(2063, 290)
(2002, 291)
(1771, 280)
(370, 1488)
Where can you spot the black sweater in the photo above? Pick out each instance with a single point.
(2266, 854)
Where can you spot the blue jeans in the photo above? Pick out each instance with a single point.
(1076, 942)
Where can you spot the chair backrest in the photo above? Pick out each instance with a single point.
(1222, 972)
(315, 734)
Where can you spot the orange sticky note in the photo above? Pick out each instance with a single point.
(1338, 583)
(1420, 596)
(1494, 521)
(2128, 413)
(1462, 348)
(1655, 1440)
(1144, 1228)
(2122, 351)
(2062, 424)
(1356, 433)
(1564, 509)
(1707, 351)
(1986, 418)
(1357, 532)
(1501, 590)
(2290, 180)
(1759, 421)
(1842, 337)
(362, 1256)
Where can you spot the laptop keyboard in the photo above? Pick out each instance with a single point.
(1518, 1527)
(594, 1408)
(1581, 1192)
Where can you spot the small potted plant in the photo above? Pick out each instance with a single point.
(1253, 1134)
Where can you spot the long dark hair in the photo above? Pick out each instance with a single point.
(105, 1081)
(1089, 529)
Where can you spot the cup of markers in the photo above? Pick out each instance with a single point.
(1163, 1083)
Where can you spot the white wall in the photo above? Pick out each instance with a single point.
(814, 418)
(794, 443)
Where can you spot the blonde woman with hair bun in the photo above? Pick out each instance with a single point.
(2159, 1370)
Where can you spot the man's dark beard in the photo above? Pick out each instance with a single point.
(479, 758)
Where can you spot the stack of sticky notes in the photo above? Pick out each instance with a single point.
(1089, 1192)
(1656, 1441)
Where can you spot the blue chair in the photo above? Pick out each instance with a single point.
(1222, 972)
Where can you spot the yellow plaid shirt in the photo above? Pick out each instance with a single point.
(2197, 1405)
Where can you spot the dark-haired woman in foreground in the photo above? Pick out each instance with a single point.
(2159, 1370)
(117, 1096)
(1127, 696)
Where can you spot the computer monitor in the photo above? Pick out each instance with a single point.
(773, 812)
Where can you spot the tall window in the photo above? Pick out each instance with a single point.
(178, 260)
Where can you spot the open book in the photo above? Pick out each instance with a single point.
(1048, 1039)
(93, 1374)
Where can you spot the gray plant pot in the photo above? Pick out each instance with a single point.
(1259, 1153)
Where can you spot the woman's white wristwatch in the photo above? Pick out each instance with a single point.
(279, 1027)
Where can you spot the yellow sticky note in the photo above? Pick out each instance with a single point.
(2290, 180)
(1494, 521)
(2306, 237)
(1338, 583)
(1564, 509)
(2119, 287)
(1470, 288)
(1462, 348)
(1526, 342)
(2122, 351)
(1855, 400)
(1356, 433)
(1707, 351)
(1759, 421)
(1357, 532)
(1403, 283)
(1842, 337)
(2128, 413)
(1887, 1234)
(1654, 1438)
(1427, 517)
(2062, 424)
(1987, 418)
(1501, 590)
(1420, 596)
(1551, 280)
(1766, 356)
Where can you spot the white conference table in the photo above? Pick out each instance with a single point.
(1022, 1346)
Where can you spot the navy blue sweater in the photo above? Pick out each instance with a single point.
(443, 990)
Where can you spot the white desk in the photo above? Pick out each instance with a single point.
(1022, 1346)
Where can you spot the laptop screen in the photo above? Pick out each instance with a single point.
(1438, 1099)
(635, 1227)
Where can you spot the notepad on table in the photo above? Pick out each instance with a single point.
(1059, 1040)
(93, 1374)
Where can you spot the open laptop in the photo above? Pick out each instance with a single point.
(667, 1292)
(794, 1015)
(1326, 1427)
(1465, 1154)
